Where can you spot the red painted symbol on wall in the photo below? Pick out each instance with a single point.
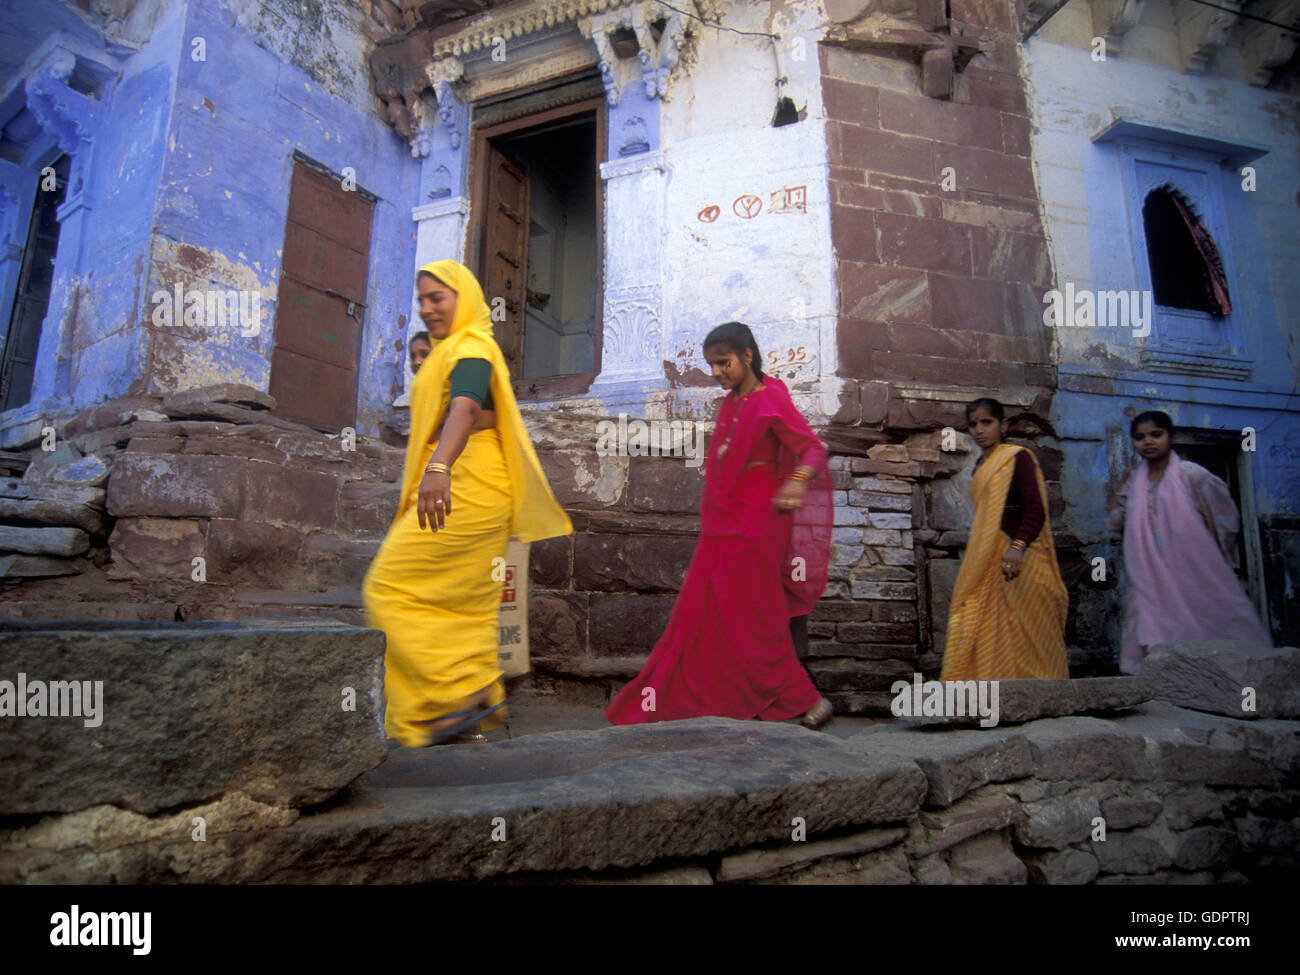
(508, 592)
(747, 206)
(791, 199)
(708, 214)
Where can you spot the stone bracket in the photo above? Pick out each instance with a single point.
(1265, 47)
(1202, 31)
(658, 56)
(71, 117)
(1112, 19)
(939, 53)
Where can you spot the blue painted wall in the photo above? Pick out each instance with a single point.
(190, 169)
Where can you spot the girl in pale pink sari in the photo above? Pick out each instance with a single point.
(1180, 530)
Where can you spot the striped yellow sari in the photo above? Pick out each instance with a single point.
(999, 630)
(436, 595)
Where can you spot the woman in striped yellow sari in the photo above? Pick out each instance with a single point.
(1008, 608)
(436, 593)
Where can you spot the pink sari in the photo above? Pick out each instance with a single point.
(1180, 585)
(727, 649)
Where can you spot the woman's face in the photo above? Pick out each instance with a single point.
(730, 369)
(985, 429)
(437, 306)
(420, 350)
(1151, 441)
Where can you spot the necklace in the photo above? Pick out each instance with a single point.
(740, 402)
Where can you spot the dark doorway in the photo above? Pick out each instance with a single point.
(322, 300)
(32, 300)
(539, 245)
(1220, 456)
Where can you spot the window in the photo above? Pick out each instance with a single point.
(1186, 271)
(1180, 189)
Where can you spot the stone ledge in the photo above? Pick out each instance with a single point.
(1214, 675)
(1020, 701)
(618, 797)
(954, 762)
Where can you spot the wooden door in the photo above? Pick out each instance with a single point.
(321, 306)
(504, 262)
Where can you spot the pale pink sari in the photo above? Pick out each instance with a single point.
(1180, 585)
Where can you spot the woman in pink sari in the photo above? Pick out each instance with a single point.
(762, 559)
(1180, 530)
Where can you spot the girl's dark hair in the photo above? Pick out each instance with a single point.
(418, 337)
(736, 337)
(1157, 417)
(986, 403)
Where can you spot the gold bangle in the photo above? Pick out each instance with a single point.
(800, 474)
(1018, 544)
(433, 468)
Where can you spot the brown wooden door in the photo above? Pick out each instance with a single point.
(321, 306)
(504, 269)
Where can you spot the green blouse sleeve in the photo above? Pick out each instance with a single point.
(472, 378)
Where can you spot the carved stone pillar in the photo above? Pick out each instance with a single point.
(72, 119)
(439, 139)
(632, 353)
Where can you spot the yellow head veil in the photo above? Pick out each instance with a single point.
(536, 513)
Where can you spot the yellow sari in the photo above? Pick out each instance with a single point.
(436, 595)
(999, 630)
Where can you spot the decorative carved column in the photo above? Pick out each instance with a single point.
(439, 137)
(632, 352)
(72, 119)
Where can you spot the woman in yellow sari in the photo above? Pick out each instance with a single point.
(1008, 608)
(472, 478)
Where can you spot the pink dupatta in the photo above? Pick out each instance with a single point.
(1180, 585)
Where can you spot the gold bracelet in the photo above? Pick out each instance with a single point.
(800, 474)
(433, 468)
(1018, 544)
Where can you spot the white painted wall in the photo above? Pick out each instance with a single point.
(775, 271)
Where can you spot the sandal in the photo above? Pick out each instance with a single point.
(818, 715)
(466, 720)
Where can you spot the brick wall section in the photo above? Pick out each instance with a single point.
(937, 287)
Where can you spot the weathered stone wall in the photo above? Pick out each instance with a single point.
(284, 519)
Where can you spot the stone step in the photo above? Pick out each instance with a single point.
(37, 567)
(63, 542)
(53, 504)
(576, 800)
(155, 716)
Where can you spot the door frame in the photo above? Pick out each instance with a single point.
(480, 136)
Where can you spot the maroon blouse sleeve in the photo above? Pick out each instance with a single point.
(1034, 512)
